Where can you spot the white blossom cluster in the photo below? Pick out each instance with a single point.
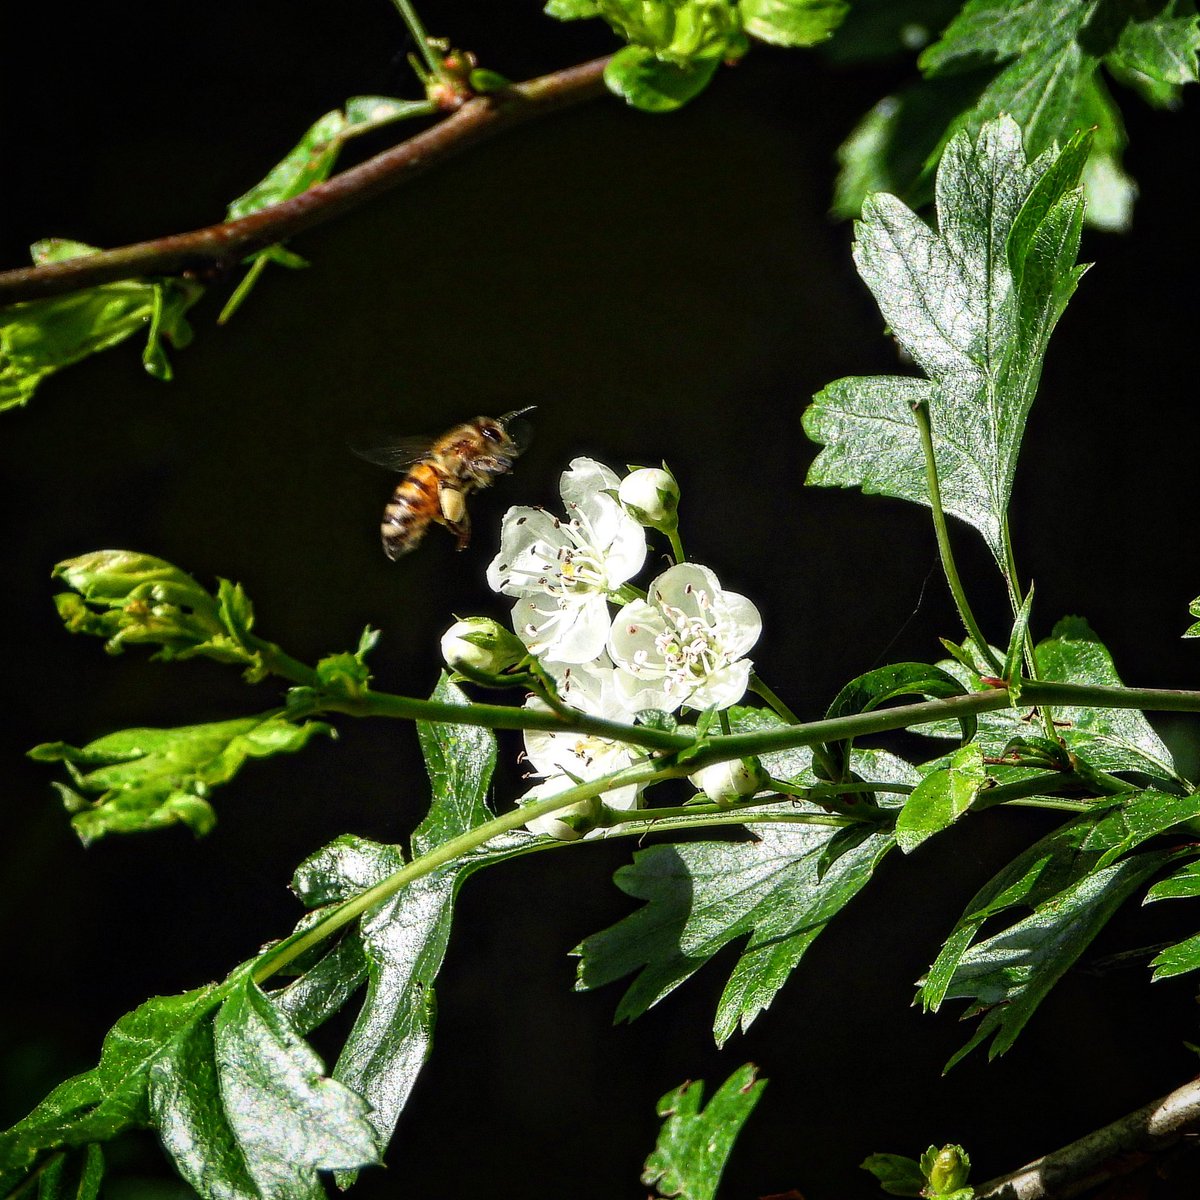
(681, 646)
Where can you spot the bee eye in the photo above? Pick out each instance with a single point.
(491, 433)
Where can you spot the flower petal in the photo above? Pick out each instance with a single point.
(722, 688)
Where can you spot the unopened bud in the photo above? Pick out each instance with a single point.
(729, 782)
(481, 646)
(651, 497)
(568, 824)
(946, 1169)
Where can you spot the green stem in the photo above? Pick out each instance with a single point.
(257, 267)
(279, 662)
(921, 414)
(676, 546)
(1017, 600)
(759, 688)
(647, 820)
(410, 18)
(350, 910)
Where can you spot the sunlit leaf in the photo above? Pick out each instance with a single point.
(941, 798)
(693, 1143)
(792, 22)
(645, 81)
(974, 304)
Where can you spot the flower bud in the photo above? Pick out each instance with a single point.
(729, 782)
(946, 1170)
(568, 824)
(480, 646)
(651, 496)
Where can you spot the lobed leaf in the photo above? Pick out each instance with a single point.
(694, 1144)
(778, 892)
(973, 304)
(646, 82)
(941, 798)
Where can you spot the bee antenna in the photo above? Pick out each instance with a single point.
(517, 412)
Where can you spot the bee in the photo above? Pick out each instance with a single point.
(440, 475)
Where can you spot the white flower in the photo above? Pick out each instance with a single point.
(651, 496)
(684, 643)
(562, 572)
(564, 759)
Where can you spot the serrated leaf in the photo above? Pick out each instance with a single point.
(1177, 959)
(1007, 976)
(941, 798)
(792, 22)
(39, 337)
(1183, 885)
(694, 1144)
(142, 779)
(112, 1097)
(974, 305)
(779, 892)
(653, 85)
(1183, 956)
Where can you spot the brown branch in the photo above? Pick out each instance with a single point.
(222, 246)
(1104, 1154)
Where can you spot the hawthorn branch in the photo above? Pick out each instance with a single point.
(1103, 1154)
(219, 247)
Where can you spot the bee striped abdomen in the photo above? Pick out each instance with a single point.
(408, 514)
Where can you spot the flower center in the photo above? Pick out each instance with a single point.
(689, 645)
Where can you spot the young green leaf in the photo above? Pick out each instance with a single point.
(1016, 642)
(941, 798)
(142, 779)
(40, 337)
(974, 304)
(792, 22)
(779, 891)
(645, 81)
(896, 1174)
(136, 599)
(694, 1144)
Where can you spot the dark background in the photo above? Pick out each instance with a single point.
(661, 287)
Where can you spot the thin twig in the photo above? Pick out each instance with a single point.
(219, 247)
(1104, 1153)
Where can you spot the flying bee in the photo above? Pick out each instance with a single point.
(440, 475)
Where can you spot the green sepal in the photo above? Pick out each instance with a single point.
(143, 779)
(693, 1143)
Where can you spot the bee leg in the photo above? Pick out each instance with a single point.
(453, 503)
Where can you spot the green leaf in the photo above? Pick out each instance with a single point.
(1177, 959)
(136, 599)
(941, 798)
(113, 1096)
(572, 10)
(974, 305)
(792, 22)
(81, 1182)
(897, 1175)
(1193, 630)
(40, 337)
(694, 1144)
(1183, 956)
(1183, 885)
(404, 941)
(1007, 976)
(146, 779)
(779, 892)
(1109, 739)
(877, 687)
(678, 31)
(648, 83)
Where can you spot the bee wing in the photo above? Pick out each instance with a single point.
(394, 453)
